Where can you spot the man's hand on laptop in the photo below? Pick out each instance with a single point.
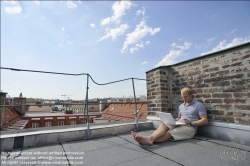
(177, 119)
(186, 121)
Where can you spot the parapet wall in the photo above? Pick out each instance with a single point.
(221, 81)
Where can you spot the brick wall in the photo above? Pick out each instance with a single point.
(221, 81)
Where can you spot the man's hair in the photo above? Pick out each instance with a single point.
(186, 89)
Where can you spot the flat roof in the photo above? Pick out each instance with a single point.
(123, 150)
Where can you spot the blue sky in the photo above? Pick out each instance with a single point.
(110, 40)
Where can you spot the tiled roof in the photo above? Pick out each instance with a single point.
(12, 120)
(124, 111)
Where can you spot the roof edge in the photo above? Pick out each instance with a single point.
(202, 56)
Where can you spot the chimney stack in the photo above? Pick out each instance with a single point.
(2, 102)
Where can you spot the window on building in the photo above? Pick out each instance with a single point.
(35, 125)
(72, 122)
(82, 121)
(48, 124)
(61, 123)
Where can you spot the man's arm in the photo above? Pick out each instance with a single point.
(202, 121)
(178, 118)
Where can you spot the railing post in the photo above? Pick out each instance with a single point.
(87, 108)
(136, 119)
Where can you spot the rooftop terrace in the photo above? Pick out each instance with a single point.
(122, 149)
(112, 144)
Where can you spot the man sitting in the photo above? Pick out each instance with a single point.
(191, 112)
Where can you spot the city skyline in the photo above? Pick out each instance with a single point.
(110, 40)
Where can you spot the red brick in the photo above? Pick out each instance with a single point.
(212, 90)
(232, 65)
(215, 112)
(215, 79)
(233, 76)
(203, 85)
(235, 100)
(222, 95)
(205, 66)
(151, 90)
(241, 58)
(197, 63)
(151, 97)
(203, 95)
(221, 84)
(213, 101)
(220, 73)
(204, 75)
(242, 107)
(228, 106)
(241, 94)
(199, 100)
(240, 82)
(240, 114)
(194, 73)
(182, 66)
(235, 89)
(211, 69)
(197, 90)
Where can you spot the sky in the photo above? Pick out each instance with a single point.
(110, 40)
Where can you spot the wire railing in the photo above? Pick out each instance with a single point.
(86, 110)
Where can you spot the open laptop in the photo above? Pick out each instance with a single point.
(167, 118)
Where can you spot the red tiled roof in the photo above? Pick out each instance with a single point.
(12, 120)
(123, 111)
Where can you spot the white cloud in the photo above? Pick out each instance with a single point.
(71, 5)
(79, 1)
(114, 33)
(142, 11)
(14, 9)
(119, 9)
(144, 63)
(140, 32)
(173, 44)
(211, 39)
(176, 51)
(60, 45)
(63, 29)
(69, 42)
(147, 42)
(136, 48)
(224, 45)
(198, 46)
(92, 25)
(234, 30)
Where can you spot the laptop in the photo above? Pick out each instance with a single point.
(167, 118)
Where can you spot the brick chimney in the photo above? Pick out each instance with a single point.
(20, 100)
(2, 102)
